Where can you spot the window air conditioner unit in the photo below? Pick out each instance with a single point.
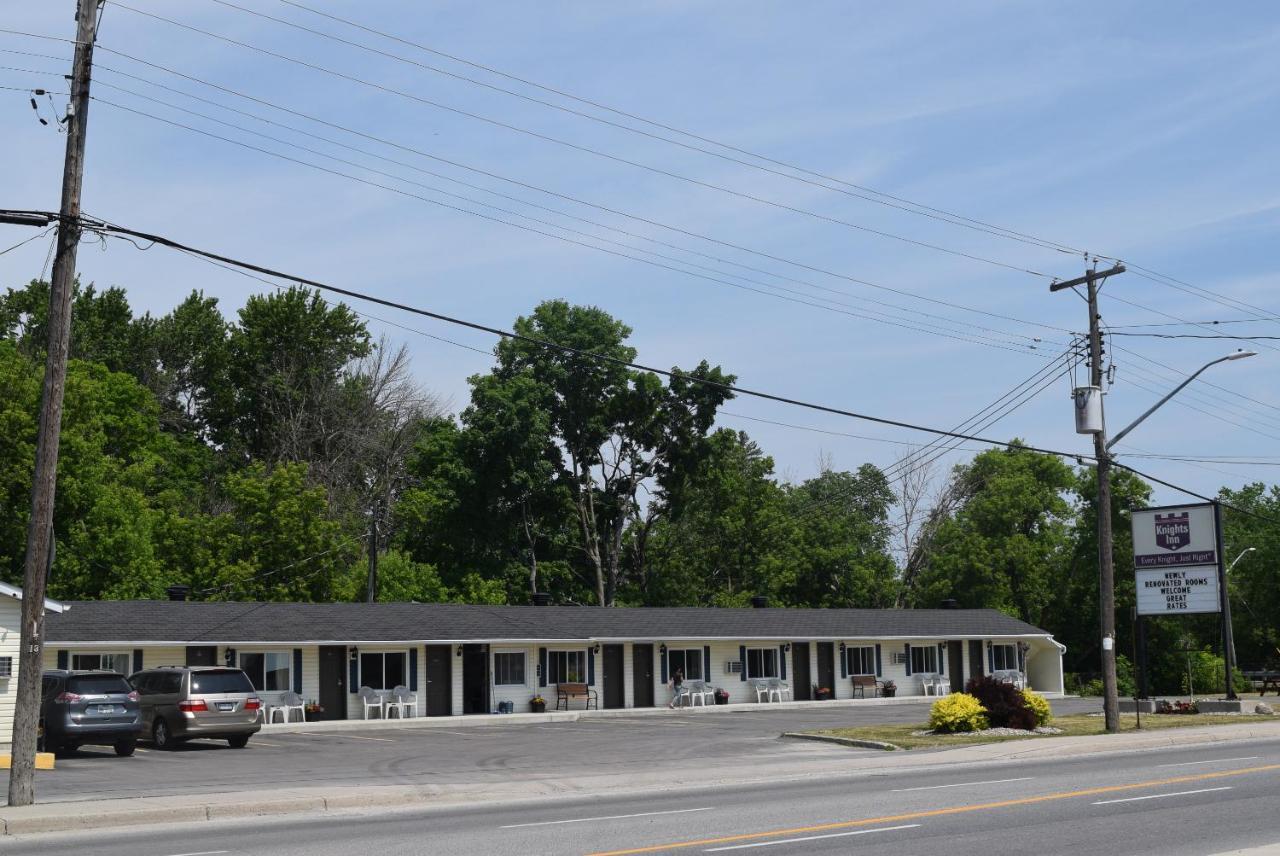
(733, 667)
(899, 658)
(6, 667)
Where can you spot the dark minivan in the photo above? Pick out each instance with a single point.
(96, 708)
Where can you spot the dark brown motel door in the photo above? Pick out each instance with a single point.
(827, 664)
(614, 678)
(333, 681)
(955, 665)
(800, 671)
(439, 680)
(642, 675)
(977, 667)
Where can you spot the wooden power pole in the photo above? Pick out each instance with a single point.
(26, 715)
(1106, 559)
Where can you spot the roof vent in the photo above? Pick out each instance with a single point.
(177, 592)
(949, 603)
(541, 598)
(760, 602)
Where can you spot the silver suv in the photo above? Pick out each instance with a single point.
(182, 702)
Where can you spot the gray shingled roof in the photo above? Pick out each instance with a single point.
(196, 622)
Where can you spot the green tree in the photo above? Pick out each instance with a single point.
(1006, 544)
(1255, 581)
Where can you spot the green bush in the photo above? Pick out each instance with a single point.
(1006, 708)
(1208, 675)
(1126, 684)
(1038, 706)
(958, 712)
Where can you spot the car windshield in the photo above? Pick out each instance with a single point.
(221, 681)
(98, 684)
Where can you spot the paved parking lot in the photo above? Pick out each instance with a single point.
(466, 754)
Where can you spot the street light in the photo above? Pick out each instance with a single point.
(1102, 454)
(1238, 355)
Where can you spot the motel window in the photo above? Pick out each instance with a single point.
(382, 670)
(508, 668)
(566, 667)
(688, 660)
(1004, 657)
(762, 662)
(268, 671)
(861, 659)
(924, 658)
(107, 662)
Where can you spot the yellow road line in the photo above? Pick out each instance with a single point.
(938, 812)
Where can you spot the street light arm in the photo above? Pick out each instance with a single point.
(1153, 408)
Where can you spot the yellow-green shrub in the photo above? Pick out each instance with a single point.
(1038, 706)
(957, 712)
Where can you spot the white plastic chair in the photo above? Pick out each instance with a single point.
(762, 690)
(372, 701)
(929, 684)
(700, 693)
(289, 701)
(778, 688)
(401, 702)
(941, 686)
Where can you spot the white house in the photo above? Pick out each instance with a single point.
(10, 635)
(462, 659)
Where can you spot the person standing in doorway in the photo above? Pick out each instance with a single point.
(677, 681)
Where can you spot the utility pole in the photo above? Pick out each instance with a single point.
(26, 714)
(1106, 564)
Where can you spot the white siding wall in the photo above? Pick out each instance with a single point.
(10, 631)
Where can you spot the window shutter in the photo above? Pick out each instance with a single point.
(63, 659)
(591, 666)
(844, 662)
(991, 659)
(665, 665)
(1022, 659)
(353, 675)
(942, 659)
(879, 669)
(907, 648)
(413, 669)
(137, 659)
(782, 662)
(542, 667)
(297, 671)
(742, 658)
(706, 662)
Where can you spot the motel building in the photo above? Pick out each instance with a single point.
(469, 659)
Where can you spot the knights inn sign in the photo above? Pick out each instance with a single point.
(1176, 556)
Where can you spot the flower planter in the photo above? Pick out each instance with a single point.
(314, 715)
(537, 707)
(822, 695)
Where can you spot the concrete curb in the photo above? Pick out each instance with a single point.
(842, 741)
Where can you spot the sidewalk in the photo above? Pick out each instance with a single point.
(69, 816)
(453, 723)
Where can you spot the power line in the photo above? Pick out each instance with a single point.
(518, 183)
(773, 203)
(859, 192)
(581, 243)
(1244, 338)
(573, 217)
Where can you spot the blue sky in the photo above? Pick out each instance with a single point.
(1143, 131)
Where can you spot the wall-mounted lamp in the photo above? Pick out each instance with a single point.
(662, 649)
(355, 653)
(230, 657)
(841, 647)
(458, 653)
(596, 649)
(786, 647)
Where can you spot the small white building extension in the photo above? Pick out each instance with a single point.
(10, 647)
(462, 659)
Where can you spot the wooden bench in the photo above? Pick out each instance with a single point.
(1265, 680)
(565, 692)
(862, 683)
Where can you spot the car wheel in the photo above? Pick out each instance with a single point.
(63, 749)
(125, 748)
(161, 737)
(238, 742)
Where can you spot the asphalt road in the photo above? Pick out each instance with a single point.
(1205, 800)
(470, 754)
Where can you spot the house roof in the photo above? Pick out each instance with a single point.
(185, 622)
(16, 593)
